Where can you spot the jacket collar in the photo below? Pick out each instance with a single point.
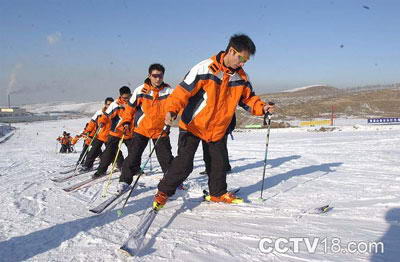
(121, 101)
(149, 87)
(218, 65)
(219, 61)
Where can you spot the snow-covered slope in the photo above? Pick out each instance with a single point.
(83, 108)
(355, 169)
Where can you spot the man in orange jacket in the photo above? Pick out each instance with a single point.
(146, 112)
(85, 145)
(207, 99)
(100, 139)
(88, 134)
(113, 117)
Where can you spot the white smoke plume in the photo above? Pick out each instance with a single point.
(13, 78)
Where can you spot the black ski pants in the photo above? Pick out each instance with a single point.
(182, 165)
(63, 148)
(207, 158)
(131, 165)
(84, 148)
(110, 152)
(93, 153)
(69, 148)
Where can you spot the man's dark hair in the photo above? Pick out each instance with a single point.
(241, 42)
(157, 67)
(108, 99)
(124, 90)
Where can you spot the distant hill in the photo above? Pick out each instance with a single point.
(317, 101)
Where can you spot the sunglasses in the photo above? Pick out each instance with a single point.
(157, 75)
(242, 59)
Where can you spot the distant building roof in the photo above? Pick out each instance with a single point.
(8, 110)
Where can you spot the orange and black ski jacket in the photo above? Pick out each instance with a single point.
(146, 109)
(63, 140)
(91, 127)
(208, 96)
(104, 132)
(113, 117)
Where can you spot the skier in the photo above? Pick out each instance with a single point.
(63, 140)
(146, 112)
(206, 153)
(99, 140)
(113, 116)
(85, 145)
(88, 133)
(207, 100)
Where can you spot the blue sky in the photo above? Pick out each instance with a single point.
(85, 50)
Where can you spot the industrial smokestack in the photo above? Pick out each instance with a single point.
(9, 102)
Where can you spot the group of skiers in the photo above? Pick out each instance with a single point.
(206, 102)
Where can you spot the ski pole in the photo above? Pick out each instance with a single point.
(105, 189)
(87, 149)
(165, 130)
(151, 162)
(267, 115)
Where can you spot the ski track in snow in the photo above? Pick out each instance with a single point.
(353, 168)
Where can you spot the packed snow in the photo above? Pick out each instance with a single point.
(353, 168)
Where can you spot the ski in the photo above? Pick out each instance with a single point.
(75, 164)
(81, 184)
(133, 244)
(70, 165)
(67, 171)
(62, 179)
(135, 240)
(102, 206)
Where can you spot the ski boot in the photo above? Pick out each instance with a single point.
(159, 200)
(228, 198)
